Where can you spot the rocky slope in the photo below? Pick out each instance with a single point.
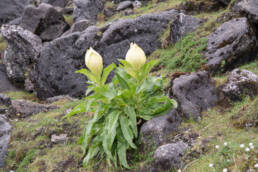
(207, 49)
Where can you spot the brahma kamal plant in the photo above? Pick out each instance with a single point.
(117, 106)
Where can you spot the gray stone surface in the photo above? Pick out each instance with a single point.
(58, 3)
(158, 130)
(240, 83)
(248, 7)
(87, 9)
(124, 5)
(57, 98)
(233, 42)
(22, 49)
(194, 93)
(79, 26)
(24, 108)
(183, 25)
(5, 129)
(169, 156)
(5, 84)
(5, 100)
(44, 21)
(11, 9)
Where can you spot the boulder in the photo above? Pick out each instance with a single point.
(124, 5)
(58, 3)
(22, 49)
(169, 156)
(248, 7)
(24, 108)
(87, 9)
(54, 73)
(194, 93)
(183, 25)
(233, 42)
(5, 129)
(240, 83)
(57, 98)
(225, 2)
(44, 21)
(11, 9)
(158, 130)
(5, 84)
(79, 26)
(5, 100)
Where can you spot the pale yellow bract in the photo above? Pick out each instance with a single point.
(135, 56)
(94, 62)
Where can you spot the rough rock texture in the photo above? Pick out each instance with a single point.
(54, 73)
(11, 9)
(45, 21)
(58, 3)
(79, 26)
(248, 7)
(87, 9)
(5, 100)
(5, 84)
(169, 156)
(183, 25)
(123, 5)
(194, 93)
(234, 41)
(226, 2)
(5, 129)
(239, 83)
(24, 108)
(157, 130)
(22, 49)
(57, 98)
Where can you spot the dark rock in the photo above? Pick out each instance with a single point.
(54, 73)
(57, 98)
(5, 84)
(45, 21)
(137, 4)
(59, 3)
(248, 7)
(24, 108)
(183, 25)
(87, 9)
(22, 49)
(5, 129)
(78, 27)
(226, 2)
(16, 21)
(194, 93)
(11, 9)
(239, 83)
(169, 156)
(233, 42)
(158, 130)
(5, 100)
(124, 5)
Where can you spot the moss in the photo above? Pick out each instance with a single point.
(3, 45)
(69, 19)
(14, 95)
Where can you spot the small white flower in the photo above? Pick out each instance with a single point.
(247, 149)
(217, 146)
(256, 166)
(225, 170)
(252, 147)
(226, 143)
(242, 146)
(251, 144)
(210, 165)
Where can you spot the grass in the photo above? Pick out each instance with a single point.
(14, 95)
(216, 128)
(2, 45)
(69, 19)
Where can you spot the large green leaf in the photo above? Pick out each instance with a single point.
(88, 74)
(106, 72)
(77, 109)
(122, 83)
(121, 148)
(111, 124)
(132, 119)
(126, 130)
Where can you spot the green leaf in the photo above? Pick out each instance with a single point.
(132, 119)
(93, 150)
(76, 110)
(122, 147)
(111, 124)
(127, 133)
(106, 72)
(88, 74)
(122, 83)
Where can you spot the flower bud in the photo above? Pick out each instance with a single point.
(135, 56)
(94, 62)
